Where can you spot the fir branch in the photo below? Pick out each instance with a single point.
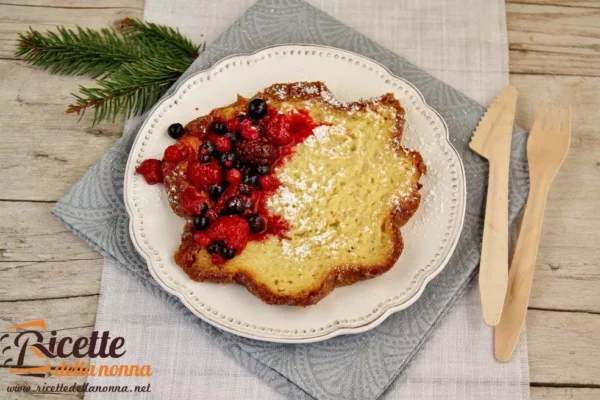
(135, 65)
(159, 36)
(80, 52)
(132, 89)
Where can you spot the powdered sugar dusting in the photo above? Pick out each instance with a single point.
(327, 206)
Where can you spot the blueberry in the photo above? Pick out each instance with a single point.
(203, 208)
(227, 159)
(251, 180)
(257, 108)
(249, 204)
(256, 223)
(215, 247)
(176, 131)
(246, 169)
(218, 127)
(245, 189)
(208, 147)
(227, 253)
(234, 205)
(215, 191)
(263, 169)
(204, 158)
(200, 222)
(232, 136)
(241, 117)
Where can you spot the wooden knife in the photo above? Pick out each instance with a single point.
(491, 140)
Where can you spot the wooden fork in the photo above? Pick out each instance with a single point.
(547, 148)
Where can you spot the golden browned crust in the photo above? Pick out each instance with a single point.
(197, 264)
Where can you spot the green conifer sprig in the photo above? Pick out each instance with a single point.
(131, 89)
(80, 52)
(160, 36)
(133, 66)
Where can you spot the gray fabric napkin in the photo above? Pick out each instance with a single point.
(94, 210)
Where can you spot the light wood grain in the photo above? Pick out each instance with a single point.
(60, 314)
(39, 140)
(563, 348)
(49, 279)
(568, 267)
(29, 232)
(492, 140)
(551, 38)
(550, 393)
(89, 5)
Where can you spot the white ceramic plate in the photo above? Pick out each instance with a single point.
(430, 237)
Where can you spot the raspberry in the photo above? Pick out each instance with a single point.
(257, 152)
(234, 176)
(192, 201)
(172, 154)
(212, 215)
(268, 182)
(222, 144)
(232, 125)
(279, 130)
(205, 175)
(150, 170)
(249, 131)
(202, 239)
(185, 151)
(232, 229)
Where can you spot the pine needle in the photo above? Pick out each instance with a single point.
(159, 36)
(133, 67)
(80, 52)
(132, 89)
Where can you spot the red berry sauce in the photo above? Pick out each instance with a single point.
(224, 169)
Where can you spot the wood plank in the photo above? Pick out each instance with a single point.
(552, 393)
(90, 5)
(29, 232)
(568, 266)
(42, 280)
(60, 314)
(39, 140)
(569, 3)
(18, 18)
(37, 102)
(563, 348)
(553, 39)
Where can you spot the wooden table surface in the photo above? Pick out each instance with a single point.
(46, 272)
